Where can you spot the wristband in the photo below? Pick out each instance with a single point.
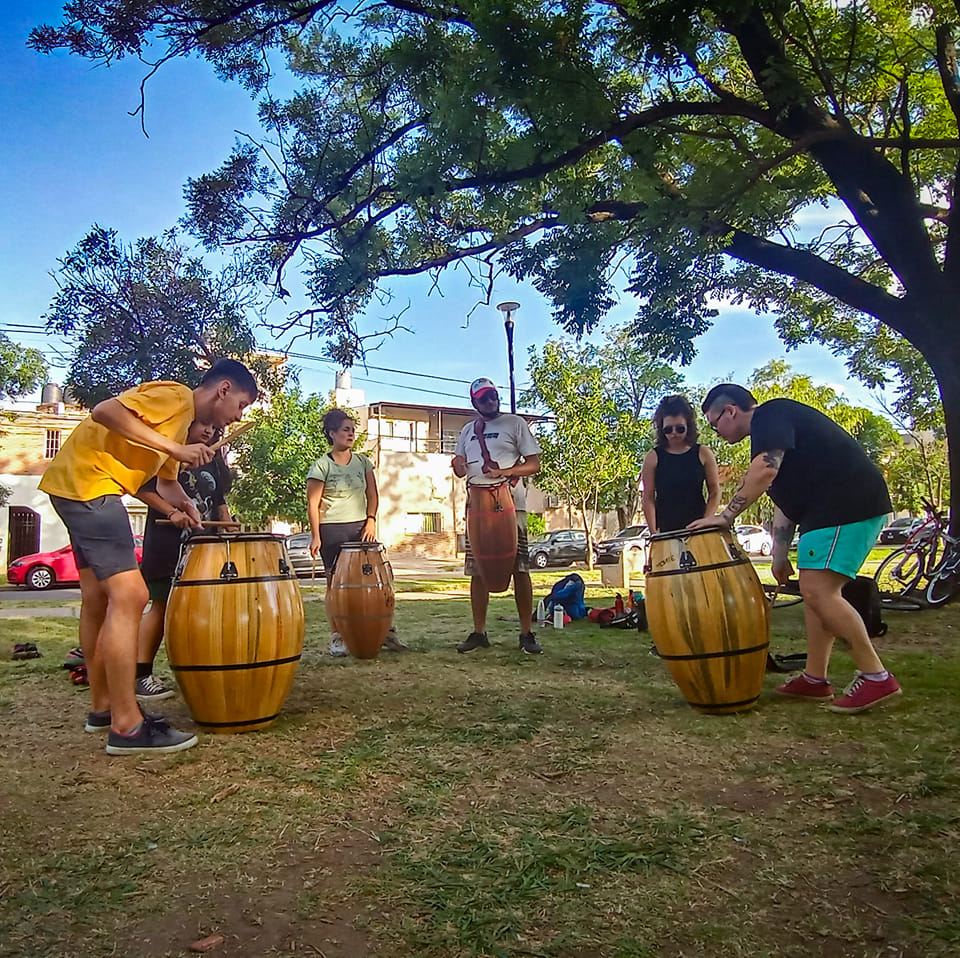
(173, 512)
(372, 517)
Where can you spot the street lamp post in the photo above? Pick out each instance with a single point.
(508, 309)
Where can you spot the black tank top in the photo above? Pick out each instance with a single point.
(679, 488)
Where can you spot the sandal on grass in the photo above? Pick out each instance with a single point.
(25, 650)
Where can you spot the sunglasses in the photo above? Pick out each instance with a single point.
(670, 430)
(716, 422)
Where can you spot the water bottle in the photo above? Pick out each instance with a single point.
(541, 612)
(558, 617)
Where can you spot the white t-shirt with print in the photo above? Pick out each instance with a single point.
(508, 439)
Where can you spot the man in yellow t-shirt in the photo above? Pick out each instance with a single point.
(124, 442)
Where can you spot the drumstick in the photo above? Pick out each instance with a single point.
(246, 427)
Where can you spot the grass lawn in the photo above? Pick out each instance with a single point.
(432, 804)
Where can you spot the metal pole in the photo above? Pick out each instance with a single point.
(508, 326)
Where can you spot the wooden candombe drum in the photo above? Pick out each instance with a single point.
(709, 618)
(492, 530)
(234, 629)
(361, 599)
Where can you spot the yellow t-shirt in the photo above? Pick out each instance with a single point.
(96, 462)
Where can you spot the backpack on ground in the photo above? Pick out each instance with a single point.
(862, 593)
(569, 593)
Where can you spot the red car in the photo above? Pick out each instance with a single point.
(44, 569)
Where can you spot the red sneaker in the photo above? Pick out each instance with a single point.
(862, 694)
(799, 688)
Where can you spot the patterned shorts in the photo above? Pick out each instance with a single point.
(523, 554)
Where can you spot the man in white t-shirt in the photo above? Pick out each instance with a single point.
(515, 454)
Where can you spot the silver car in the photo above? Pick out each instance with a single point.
(298, 548)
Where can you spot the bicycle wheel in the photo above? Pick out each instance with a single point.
(900, 571)
(944, 585)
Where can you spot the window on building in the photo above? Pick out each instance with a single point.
(418, 522)
(53, 443)
(449, 442)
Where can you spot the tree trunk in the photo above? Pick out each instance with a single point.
(946, 367)
(589, 534)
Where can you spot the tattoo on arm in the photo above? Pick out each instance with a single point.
(773, 458)
(737, 504)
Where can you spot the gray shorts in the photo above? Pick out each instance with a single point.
(523, 553)
(100, 534)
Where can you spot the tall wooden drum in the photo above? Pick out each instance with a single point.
(234, 630)
(492, 530)
(709, 618)
(360, 598)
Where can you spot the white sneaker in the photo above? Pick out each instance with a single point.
(338, 648)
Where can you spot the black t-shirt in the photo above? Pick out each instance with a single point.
(678, 484)
(161, 544)
(826, 478)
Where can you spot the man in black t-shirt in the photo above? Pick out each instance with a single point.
(206, 486)
(819, 478)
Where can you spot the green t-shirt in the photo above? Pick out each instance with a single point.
(344, 488)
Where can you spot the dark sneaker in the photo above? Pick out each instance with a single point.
(97, 722)
(863, 693)
(474, 641)
(153, 734)
(530, 645)
(73, 658)
(150, 690)
(800, 687)
(393, 644)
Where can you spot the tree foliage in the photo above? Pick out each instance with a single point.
(671, 149)
(583, 459)
(22, 369)
(149, 311)
(273, 458)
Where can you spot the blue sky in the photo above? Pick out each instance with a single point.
(72, 156)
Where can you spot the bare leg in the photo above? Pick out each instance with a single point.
(821, 592)
(523, 594)
(479, 600)
(819, 644)
(151, 633)
(93, 610)
(117, 645)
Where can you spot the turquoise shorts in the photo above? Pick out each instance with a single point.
(839, 548)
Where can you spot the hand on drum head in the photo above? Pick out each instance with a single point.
(369, 532)
(709, 522)
(194, 454)
(314, 546)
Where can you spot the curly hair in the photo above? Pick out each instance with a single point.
(332, 421)
(675, 406)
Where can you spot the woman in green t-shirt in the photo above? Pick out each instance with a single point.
(342, 503)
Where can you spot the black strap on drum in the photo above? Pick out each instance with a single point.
(699, 568)
(718, 706)
(239, 580)
(238, 724)
(723, 654)
(235, 666)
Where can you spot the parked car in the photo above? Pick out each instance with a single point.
(41, 570)
(897, 532)
(298, 548)
(562, 547)
(608, 551)
(754, 539)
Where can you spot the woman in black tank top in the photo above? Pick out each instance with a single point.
(674, 472)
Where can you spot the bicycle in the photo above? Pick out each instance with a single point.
(900, 573)
(944, 583)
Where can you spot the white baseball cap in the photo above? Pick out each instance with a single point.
(479, 386)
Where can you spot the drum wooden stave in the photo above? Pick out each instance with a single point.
(492, 530)
(709, 618)
(360, 598)
(234, 630)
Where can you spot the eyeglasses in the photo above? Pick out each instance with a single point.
(670, 430)
(488, 396)
(716, 422)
